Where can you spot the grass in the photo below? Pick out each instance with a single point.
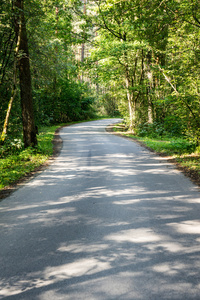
(191, 162)
(16, 162)
(179, 150)
(167, 146)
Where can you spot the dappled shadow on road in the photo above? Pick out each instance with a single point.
(129, 230)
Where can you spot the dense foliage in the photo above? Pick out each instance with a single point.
(147, 57)
(137, 59)
(58, 94)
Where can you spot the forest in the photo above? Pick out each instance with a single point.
(72, 60)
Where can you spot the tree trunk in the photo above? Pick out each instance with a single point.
(149, 88)
(150, 108)
(131, 104)
(14, 90)
(5, 126)
(29, 131)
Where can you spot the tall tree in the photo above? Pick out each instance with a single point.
(29, 130)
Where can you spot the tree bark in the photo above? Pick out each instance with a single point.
(149, 88)
(29, 131)
(13, 94)
(131, 103)
(14, 89)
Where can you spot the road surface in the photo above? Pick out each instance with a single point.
(106, 220)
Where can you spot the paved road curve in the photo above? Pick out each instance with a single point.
(107, 220)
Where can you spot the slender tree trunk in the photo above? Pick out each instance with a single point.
(150, 108)
(83, 44)
(56, 53)
(149, 89)
(14, 89)
(13, 94)
(131, 104)
(130, 96)
(29, 130)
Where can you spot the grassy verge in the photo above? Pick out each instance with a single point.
(178, 150)
(16, 162)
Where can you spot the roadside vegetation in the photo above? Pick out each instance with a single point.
(179, 150)
(17, 162)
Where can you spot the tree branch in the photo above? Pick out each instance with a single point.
(177, 93)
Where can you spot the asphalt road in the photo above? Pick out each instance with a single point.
(106, 220)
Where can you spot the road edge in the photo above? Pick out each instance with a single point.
(191, 174)
(57, 147)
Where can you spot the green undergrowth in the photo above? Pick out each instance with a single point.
(184, 152)
(168, 146)
(16, 162)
